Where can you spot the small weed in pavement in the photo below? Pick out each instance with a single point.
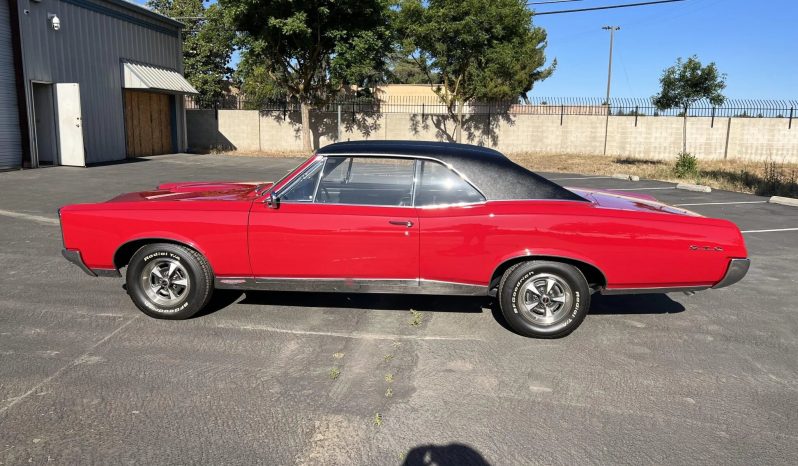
(387, 357)
(377, 419)
(334, 373)
(389, 392)
(416, 317)
(389, 378)
(338, 355)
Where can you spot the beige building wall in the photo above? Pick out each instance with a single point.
(650, 138)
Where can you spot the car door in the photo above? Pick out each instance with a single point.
(457, 227)
(343, 218)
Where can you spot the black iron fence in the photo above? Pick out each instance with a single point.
(432, 105)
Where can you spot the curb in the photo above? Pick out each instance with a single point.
(784, 201)
(624, 176)
(694, 187)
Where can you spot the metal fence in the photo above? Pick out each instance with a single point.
(738, 108)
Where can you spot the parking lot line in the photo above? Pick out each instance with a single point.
(722, 203)
(768, 231)
(74, 362)
(35, 218)
(580, 178)
(636, 189)
(364, 336)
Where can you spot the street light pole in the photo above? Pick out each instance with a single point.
(612, 30)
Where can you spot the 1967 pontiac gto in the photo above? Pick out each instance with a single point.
(402, 217)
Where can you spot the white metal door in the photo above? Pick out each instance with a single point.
(70, 125)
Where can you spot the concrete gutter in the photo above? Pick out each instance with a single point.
(624, 176)
(694, 187)
(784, 201)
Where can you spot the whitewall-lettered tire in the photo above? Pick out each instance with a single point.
(169, 281)
(544, 299)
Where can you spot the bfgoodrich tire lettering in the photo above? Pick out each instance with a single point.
(169, 281)
(544, 299)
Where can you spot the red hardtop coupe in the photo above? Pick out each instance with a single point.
(402, 217)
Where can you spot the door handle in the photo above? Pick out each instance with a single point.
(406, 223)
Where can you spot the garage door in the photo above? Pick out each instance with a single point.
(148, 123)
(10, 136)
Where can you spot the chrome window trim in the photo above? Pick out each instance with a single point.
(416, 158)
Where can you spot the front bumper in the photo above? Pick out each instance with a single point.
(734, 273)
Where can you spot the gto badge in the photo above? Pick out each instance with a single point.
(705, 248)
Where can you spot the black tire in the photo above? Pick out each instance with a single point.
(179, 296)
(532, 311)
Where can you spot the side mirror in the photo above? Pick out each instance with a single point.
(272, 201)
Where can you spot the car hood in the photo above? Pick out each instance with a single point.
(626, 200)
(196, 191)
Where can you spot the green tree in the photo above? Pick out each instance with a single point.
(687, 82)
(312, 49)
(479, 50)
(207, 45)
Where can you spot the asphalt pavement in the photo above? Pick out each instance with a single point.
(284, 378)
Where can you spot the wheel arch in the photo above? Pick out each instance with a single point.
(125, 252)
(596, 279)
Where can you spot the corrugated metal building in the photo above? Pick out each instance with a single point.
(88, 81)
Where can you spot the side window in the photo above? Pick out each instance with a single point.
(375, 181)
(441, 186)
(302, 188)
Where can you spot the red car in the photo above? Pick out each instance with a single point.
(402, 217)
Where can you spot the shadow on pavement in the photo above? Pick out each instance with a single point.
(657, 303)
(389, 302)
(444, 455)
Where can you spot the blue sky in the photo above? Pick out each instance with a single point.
(753, 42)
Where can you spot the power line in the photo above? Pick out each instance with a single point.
(606, 7)
(552, 1)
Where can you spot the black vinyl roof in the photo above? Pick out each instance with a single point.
(498, 177)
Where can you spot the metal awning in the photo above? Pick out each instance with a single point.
(140, 76)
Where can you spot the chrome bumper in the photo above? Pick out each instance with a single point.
(734, 273)
(73, 255)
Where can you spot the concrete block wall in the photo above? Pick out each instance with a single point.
(649, 138)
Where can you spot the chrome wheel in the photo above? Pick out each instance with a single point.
(545, 299)
(165, 281)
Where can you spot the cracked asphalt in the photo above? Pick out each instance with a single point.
(647, 379)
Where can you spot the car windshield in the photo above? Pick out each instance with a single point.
(290, 173)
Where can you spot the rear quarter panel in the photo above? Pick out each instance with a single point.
(633, 249)
(218, 230)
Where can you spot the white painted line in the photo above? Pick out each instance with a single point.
(581, 178)
(633, 189)
(768, 231)
(364, 336)
(73, 363)
(722, 203)
(35, 218)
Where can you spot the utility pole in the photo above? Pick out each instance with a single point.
(612, 30)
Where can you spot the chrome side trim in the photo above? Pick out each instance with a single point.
(681, 289)
(359, 285)
(73, 255)
(734, 273)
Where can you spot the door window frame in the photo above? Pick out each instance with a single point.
(416, 179)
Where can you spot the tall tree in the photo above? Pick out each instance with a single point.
(207, 45)
(479, 50)
(687, 82)
(312, 49)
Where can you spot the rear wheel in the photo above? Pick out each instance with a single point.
(544, 299)
(169, 281)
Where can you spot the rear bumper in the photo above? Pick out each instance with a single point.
(73, 255)
(734, 273)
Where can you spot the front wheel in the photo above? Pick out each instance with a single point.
(544, 299)
(169, 281)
